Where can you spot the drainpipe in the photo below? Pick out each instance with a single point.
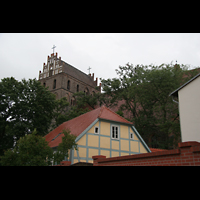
(174, 100)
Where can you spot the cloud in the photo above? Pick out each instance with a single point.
(23, 55)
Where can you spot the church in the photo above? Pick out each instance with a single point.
(98, 132)
(64, 80)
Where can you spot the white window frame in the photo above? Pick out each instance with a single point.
(95, 130)
(132, 138)
(115, 138)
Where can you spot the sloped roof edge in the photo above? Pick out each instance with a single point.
(175, 92)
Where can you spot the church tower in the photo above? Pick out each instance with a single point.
(64, 80)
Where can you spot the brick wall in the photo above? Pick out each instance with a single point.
(187, 154)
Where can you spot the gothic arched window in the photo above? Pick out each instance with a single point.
(54, 84)
(68, 84)
(86, 91)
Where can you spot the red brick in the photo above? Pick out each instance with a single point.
(182, 156)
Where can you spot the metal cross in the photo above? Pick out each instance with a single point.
(89, 69)
(53, 48)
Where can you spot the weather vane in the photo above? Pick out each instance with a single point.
(53, 48)
(89, 69)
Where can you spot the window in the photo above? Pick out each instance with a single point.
(115, 132)
(54, 84)
(77, 89)
(86, 91)
(68, 84)
(44, 84)
(131, 135)
(96, 130)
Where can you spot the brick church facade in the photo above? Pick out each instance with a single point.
(64, 80)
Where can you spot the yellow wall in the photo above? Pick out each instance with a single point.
(105, 128)
(91, 144)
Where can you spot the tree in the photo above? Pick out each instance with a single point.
(24, 105)
(30, 150)
(82, 100)
(145, 91)
(68, 142)
(63, 112)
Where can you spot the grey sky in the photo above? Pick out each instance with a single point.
(23, 55)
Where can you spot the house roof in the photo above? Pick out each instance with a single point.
(80, 123)
(175, 92)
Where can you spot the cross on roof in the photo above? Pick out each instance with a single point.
(53, 48)
(89, 69)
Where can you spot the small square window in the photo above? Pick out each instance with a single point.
(96, 130)
(131, 135)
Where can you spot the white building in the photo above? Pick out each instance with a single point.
(189, 109)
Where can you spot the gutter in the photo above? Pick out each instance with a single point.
(174, 100)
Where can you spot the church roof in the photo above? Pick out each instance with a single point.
(76, 73)
(80, 123)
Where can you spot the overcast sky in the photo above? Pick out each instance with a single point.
(23, 55)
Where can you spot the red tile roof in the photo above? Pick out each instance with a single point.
(79, 124)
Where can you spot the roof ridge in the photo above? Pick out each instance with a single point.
(81, 115)
(101, 110)
(104, 107)
(76, 68)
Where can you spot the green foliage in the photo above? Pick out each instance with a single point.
(30, 150)
(82, 100)
(68, 142)
(63, 112)
(24, 105)
(120, 112)
(145, 91)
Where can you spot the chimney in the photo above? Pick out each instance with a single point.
(48, 58)
(93, 76)
(56, 54)
(100, 87)
(40, 72)
(44, 63)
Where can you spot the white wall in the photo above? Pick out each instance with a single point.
(189, 109)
